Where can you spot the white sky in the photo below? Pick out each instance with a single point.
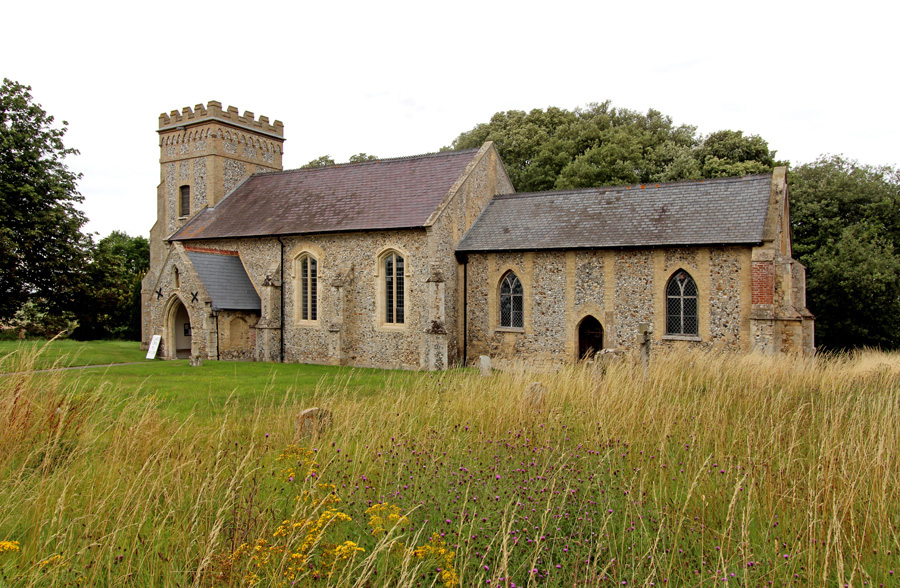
(402, 78)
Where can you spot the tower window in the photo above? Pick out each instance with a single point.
(185, 208)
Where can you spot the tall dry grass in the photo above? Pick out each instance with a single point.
(714, 468)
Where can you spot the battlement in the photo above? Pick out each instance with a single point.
(213, 111)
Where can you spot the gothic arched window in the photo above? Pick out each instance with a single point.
(681, 305)
(394, 283)
(511, 313)
(308, 274)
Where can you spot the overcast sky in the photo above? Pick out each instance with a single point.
(402, 78)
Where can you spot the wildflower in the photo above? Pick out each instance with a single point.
(50, 561)
(6, 546)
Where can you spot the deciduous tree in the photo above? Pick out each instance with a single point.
(42, 248)
(602, 145)
(846, 230)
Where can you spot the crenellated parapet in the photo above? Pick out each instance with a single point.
(213, 112)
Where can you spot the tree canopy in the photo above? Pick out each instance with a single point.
(600, 145)
(326, 160)
(109, 296)
(845, 220)
(41, 243)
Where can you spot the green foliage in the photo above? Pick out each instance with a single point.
(603, 145)
(846, 229)
(107, 304)
(729, 153)
(361, 157)
(41, 244)
(321, 161)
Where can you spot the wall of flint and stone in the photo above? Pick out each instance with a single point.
(212, 158)
(486, 178)
(353, 322)
(365, 341)
(237, 334)
(620, 288)
(165, 291)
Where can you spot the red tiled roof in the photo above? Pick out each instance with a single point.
(385, 194)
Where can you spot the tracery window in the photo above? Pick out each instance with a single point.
(394, 298)
(308, 274)
(681, 305)
(511, 302)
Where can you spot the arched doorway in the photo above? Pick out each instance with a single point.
(180, 331)
(590, 337)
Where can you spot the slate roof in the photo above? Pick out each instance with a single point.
(708, 212)
(385, 194)
(226, 280)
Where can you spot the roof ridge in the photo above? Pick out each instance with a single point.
(639, 186)
(370, 162)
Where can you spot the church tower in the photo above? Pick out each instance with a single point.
(203, 154)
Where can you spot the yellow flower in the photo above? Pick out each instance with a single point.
(8, 546)
(53, 559)
(436, 550)
(346, 550)
(385, 516)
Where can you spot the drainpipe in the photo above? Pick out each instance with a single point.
(281, 311)
(218, 342)
(465, 346)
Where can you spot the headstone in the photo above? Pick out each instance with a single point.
(535, 394)
(313, 421)
(195, 360)
(154, 346)
(484, 362)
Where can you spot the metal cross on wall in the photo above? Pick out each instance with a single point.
(159, 294)
(194, 296)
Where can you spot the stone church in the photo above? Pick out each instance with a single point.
(431, 261)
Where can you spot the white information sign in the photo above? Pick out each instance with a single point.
(154, 346)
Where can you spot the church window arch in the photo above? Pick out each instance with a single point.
(393, 282)
(511, 302)
(681, 305)
(307, 274)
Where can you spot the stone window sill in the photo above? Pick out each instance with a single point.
(392, 327)
(306, 323)
(510, 330)
(682, 338)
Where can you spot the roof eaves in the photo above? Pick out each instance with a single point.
(302, 234)
(751, 243)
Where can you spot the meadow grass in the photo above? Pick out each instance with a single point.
(715, 469)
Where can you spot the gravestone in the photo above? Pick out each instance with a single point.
(312, 421)
(535, 395)
(484, 362)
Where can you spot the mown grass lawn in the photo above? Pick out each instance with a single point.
(181, 390)
(41, 355)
